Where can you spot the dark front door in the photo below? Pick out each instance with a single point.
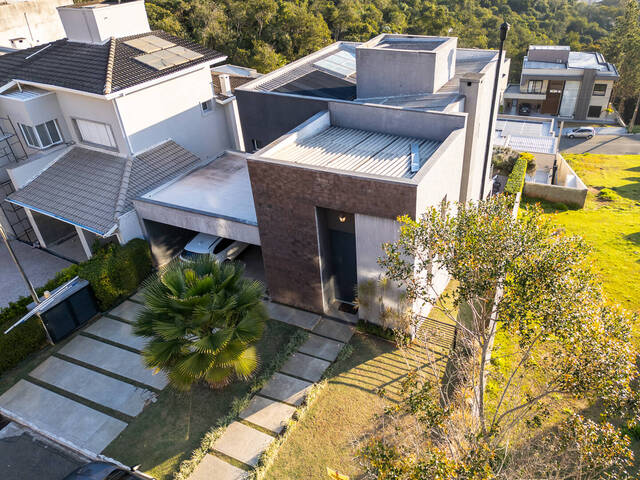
(551, 104)
(343, 264)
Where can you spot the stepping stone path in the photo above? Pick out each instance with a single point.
(275, 404)
(74, 394)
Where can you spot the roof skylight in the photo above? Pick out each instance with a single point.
(341, 64)
(160, 54)
(149, 43)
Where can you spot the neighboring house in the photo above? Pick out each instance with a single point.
(556, 81)
(115, 93)
(336, 159)
(28, 23)
(402, 72)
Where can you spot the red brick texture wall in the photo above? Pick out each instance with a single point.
(286, 198)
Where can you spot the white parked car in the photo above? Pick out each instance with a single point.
(223, 249)
(581, 132)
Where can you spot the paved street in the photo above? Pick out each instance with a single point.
(39, 265)
(25, 456)
(604, 144)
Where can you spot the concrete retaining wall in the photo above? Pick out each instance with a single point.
(569, 195)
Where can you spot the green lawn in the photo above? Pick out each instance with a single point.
(166, 432)
(346, 408)
(611, 228)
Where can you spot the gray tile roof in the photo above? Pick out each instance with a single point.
(81, 66)
(92, 189)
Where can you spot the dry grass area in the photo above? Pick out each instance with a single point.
(346, 408)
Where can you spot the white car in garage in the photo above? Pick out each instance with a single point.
(223, 249)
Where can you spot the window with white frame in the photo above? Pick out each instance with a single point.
(95, 133)
(41, 136)
(535, 86)
(599, 89)
(206, 106)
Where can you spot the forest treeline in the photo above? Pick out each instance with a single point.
(266, 34)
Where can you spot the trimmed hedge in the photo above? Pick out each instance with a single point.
(114, 273)
(515, 182)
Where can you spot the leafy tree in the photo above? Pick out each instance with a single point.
(533, 285)
(201, 319)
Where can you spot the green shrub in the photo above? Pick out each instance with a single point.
(115, 271)
(560, 207)
(505, 158)
(382, 332)
(515, 182)
(607, 195)
(28, 337)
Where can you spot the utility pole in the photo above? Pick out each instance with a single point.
(32, 290)
(504, 28)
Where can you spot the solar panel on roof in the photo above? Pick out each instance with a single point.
(169, 57)
(149, 43)
(342, 64)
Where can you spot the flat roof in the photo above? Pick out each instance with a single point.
(357, 150)
(306, 76)
(221, 189)
(534, 136)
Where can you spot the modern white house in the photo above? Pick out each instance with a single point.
(112, 101)
(558, 82)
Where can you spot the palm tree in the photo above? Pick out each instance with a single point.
(202, 319)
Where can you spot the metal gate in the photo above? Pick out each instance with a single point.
(16, 216)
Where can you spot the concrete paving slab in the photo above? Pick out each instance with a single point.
(243, 443)
(127, 310)
(292, 316)
(117, 332)
(335, 330)
(137, 297)
(305, 367)
(113, 359)
(93, 386)
(286, 389)
(58, 416)
(213, 468)
(267, 413)
(321, 347)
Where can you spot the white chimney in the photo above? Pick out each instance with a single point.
(97, 23)
(225, 84)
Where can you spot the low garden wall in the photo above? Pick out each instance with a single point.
(569, 195)
(114, 273)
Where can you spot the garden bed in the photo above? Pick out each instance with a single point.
(167, 432)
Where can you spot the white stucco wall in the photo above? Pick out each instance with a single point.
(172, 110)
(36, 21)
(371, 233)
(129, 227)
(33, 112)
(84, 107)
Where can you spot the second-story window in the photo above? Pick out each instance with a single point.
(534, 86)
(41, 136)
(95, 133)
(599, 89)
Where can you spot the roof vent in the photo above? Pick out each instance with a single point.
(415, 157)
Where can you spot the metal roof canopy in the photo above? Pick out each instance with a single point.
(58, 295)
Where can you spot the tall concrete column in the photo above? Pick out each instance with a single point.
(83, 241)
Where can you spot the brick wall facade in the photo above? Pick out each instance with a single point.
(286, 198)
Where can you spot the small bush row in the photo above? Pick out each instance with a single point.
(114, 273)
(515, 181)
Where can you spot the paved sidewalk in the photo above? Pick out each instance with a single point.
(271, 409)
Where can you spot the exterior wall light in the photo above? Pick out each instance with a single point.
(342, 217)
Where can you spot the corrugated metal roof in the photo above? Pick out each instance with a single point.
(358, 151)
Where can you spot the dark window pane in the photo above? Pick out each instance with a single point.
(53, 131)
(45, 139)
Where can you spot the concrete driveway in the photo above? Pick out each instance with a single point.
(602, 144)
(39, 265)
